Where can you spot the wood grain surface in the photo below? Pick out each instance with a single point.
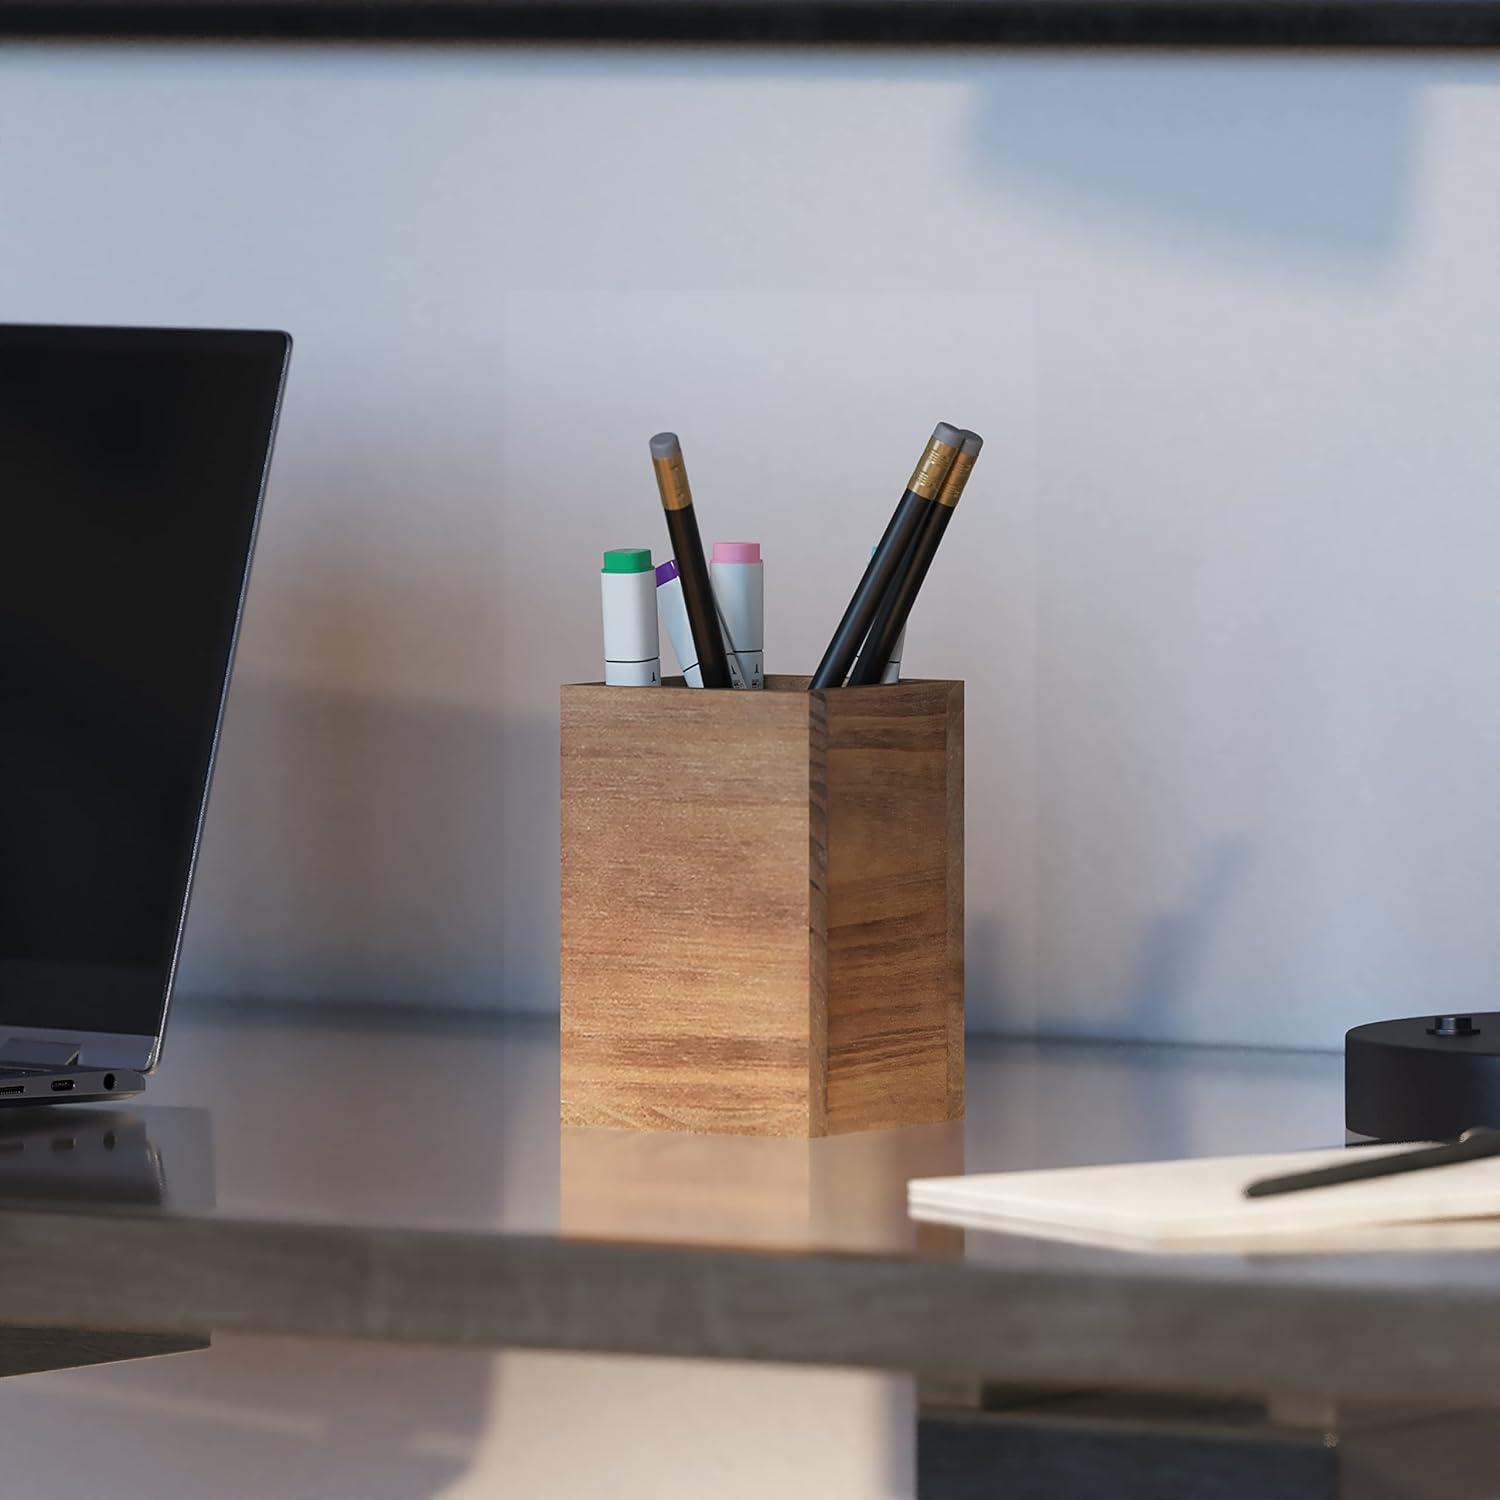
(762, 907)
(894, 839)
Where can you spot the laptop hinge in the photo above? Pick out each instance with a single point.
(21, 1049)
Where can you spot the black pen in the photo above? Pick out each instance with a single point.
(1472, 1145)
(917, 499)
(890, 618)
(687, 548)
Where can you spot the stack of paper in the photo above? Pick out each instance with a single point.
(1199, 1205)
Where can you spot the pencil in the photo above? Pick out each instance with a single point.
(687, 548)
(917, 499)
(890, 617)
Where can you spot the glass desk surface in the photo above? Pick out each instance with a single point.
(450, 1122)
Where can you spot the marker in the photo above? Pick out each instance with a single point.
(890, 618)
(687, 548)
(917, 499)
(892, 672)
(632, 657)
(670, 606)
(738, 577)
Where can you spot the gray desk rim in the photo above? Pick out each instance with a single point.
(1133, 1324)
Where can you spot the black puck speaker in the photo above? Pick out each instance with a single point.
(1425, 1078)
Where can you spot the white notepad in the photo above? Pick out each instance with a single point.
(1199, 1205)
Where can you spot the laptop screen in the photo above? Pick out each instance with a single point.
(131, 468)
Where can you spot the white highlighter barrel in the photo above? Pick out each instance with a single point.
(632, 654)
(892, 671)
(739, 587)
(673, 610)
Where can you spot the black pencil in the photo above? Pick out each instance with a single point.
(687, 548)
(921, 491)
(890, 618)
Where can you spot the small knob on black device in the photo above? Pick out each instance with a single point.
(1453, 1026)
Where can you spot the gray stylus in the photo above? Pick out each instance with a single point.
(1470, 1146)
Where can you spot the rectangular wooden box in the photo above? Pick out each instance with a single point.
(762, 907)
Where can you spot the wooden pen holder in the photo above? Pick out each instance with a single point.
(762, 907)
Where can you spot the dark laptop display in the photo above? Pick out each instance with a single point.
(131, 468)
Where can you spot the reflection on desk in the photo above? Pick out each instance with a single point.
(83, 1157)
(838, 1193)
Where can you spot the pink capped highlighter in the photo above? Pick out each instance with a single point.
(739, 591)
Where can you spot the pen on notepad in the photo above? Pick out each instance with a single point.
(1472, 1145)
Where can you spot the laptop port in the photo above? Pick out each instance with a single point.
(14, 1088)
(61, 1085)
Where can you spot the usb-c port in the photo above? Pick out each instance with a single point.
(61, 1085)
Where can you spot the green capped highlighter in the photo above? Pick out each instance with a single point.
(632, 653)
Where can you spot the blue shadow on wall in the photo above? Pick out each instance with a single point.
(1174, 947)
(1276, 154)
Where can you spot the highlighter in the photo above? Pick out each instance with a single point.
(673, 613)
(738, 578)
(627, 583)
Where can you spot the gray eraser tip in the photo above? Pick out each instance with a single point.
(972, 443)
(665, 445)
(944, 432)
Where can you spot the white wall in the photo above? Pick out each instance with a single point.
(1224, 589)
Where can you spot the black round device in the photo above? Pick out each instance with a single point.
(1425, 1078)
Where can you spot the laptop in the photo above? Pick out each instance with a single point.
(132, 464)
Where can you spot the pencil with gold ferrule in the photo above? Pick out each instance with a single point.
(687, 548)
(917, 500)
(890, 617)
